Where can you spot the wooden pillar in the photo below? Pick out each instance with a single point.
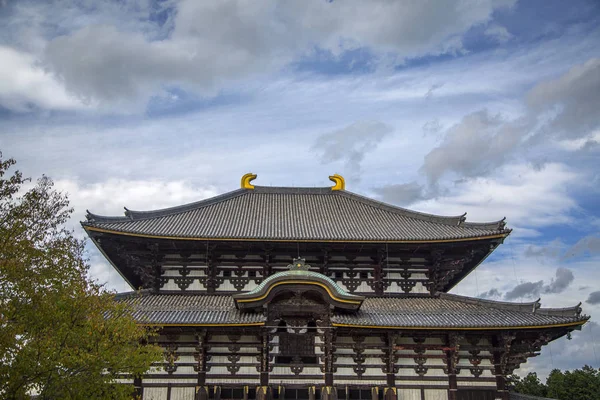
(200, 367)
(501, 349)
(390, 392)
(328, 392)
(452, 386)
(263, 392)
(211, 273)
(138, 392)
(377, 273)
(452, 353)
(264, 359)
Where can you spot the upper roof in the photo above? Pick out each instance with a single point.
(294, 214)
(443, 311)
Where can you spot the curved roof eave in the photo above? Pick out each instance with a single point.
(458, 220)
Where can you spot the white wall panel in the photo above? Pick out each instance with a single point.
(187, 393)
(155, 393)
(409, 394)
(434, 394)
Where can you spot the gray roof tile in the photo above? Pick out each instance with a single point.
(441, 311)
(272, 213)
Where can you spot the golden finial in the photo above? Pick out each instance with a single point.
(340, 183)
(246, 179)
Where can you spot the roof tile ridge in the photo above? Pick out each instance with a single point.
(96, 218)
(132, 215)
(529, 307)
(134, 294)
(499, 225)
(456, 220)
(293, 190)
(573, 311)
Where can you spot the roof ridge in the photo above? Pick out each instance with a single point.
(132, 215)
(561, 312)
(530, 307)
(533, 307)
(456, 220)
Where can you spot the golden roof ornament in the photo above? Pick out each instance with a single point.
(246, 179)
(340, 183)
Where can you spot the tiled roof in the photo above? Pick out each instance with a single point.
(275, 213)
(451, 311)
(186, 309)
(441, 311)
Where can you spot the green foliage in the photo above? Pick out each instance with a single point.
(576, 385)
(580, 384)
(530, 385)
(55, 338)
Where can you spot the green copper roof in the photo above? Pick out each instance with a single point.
(300, 274)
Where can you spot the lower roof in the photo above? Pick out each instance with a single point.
(443, 311)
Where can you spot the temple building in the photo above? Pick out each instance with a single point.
(318, 293)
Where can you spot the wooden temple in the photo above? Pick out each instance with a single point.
(318, 293)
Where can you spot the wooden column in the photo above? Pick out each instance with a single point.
(452, 386)
(328, 392)
(380, 258)
(138, 392)
(390, 392)
(452, 352)
(200, 367)
(263, 392)
(501, 349)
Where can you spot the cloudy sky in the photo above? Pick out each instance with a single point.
(488, 107)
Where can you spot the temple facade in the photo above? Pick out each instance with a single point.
(318, 293)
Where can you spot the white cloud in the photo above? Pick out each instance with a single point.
(111, 196)
(350, 144)
(24, 84)
(214, 44)
(574, 98)
(527, 196)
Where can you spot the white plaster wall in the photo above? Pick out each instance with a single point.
(170, 380)
(170, 285)
(409, 394)
(179, 393)
(419, 288)
(476, 384)
(443, 384)
(154, 393)
(364, 287)
(341, 382)
(435, 394)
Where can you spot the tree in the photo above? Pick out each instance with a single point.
(62, 335)
(580, 384)
(530, 385)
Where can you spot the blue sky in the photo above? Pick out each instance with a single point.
(485, 107)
